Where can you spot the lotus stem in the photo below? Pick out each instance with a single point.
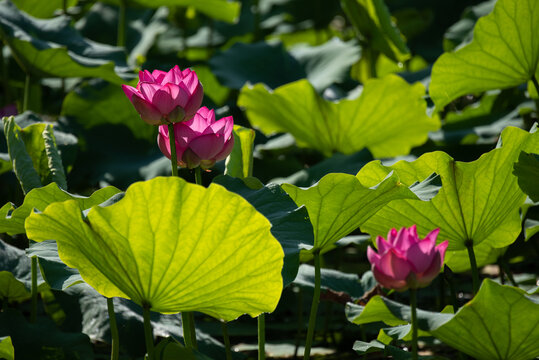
(26, 93)
(5, 79)
(33, 311)
(535, 83)
(413, 305)
(300, 322)
(226, 340)
(314, 306)
(64, 7)
(148, 333)
(507, 271)
(115, 352)
(448, 276)
(121, 24)
(473, 265)
(261, 336)
(187, 333)
(198, 176)
(173, 154)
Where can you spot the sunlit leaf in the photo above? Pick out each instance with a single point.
(504, 53)
(372, 21)
(289, 223)
(43, 9)
(12, 218)
(11, 289)
(389, 117)
(6, 349)
(52, 48)
(240, 161)
(340, 203)
(224, 10)
(479, 201)
(189, 248)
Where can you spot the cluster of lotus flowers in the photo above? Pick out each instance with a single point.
(174, 97)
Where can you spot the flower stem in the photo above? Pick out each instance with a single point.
(314, 306)
(448, 276)
(26, 93)
(115, 352)
(413, 305)
(148, 333)
(121, 24)
(198, 176)
(173, 153)
(33, 311)
(261, 336)
(535, 83)
(227, 341)
(473, 265)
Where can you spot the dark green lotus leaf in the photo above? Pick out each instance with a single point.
(98, 102)
(340, 203)
(474, 329)
(527, 172)
(210, 244)
(380, 119)
(479, 201)
(11, 289)
(12, 218)
(289, 223)
(43, 339)
(504, 53)
(52, 48)
(372, 21)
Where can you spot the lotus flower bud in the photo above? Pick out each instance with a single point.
(201, 141)
(404, 261)
(166, 97)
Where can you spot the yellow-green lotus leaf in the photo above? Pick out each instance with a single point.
(173, 246)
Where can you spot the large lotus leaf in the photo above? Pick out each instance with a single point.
(173, 246)
(389, 117)
(500, 322)
(12, 289)
(372, 20)
(12, 218)
(527, 172)
(99, 103)
(43, 9)
(289, 223)
(240, 161)
(52, 48)
(504, 53)
(340, 203)
(479, 200)
(224, 10)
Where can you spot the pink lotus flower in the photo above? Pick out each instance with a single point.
(200, 141)
(405, 261)
(166, 97)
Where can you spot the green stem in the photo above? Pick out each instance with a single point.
(448, 276)
(261, 336)
(64, 7)
(192, 328)
(115, 352)
(5, 79)
(148, 333)
(314, 306)
(256, 9)
(173, 153)
(187, 334)
(300, 322)
(198, 175)
(33, 311)
(26, 93)
(121, 24)
(413, 305)
(507, 271)
(535, 83)
(473, 265)
(227, 341)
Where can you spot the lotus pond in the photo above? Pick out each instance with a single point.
(269, 179)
